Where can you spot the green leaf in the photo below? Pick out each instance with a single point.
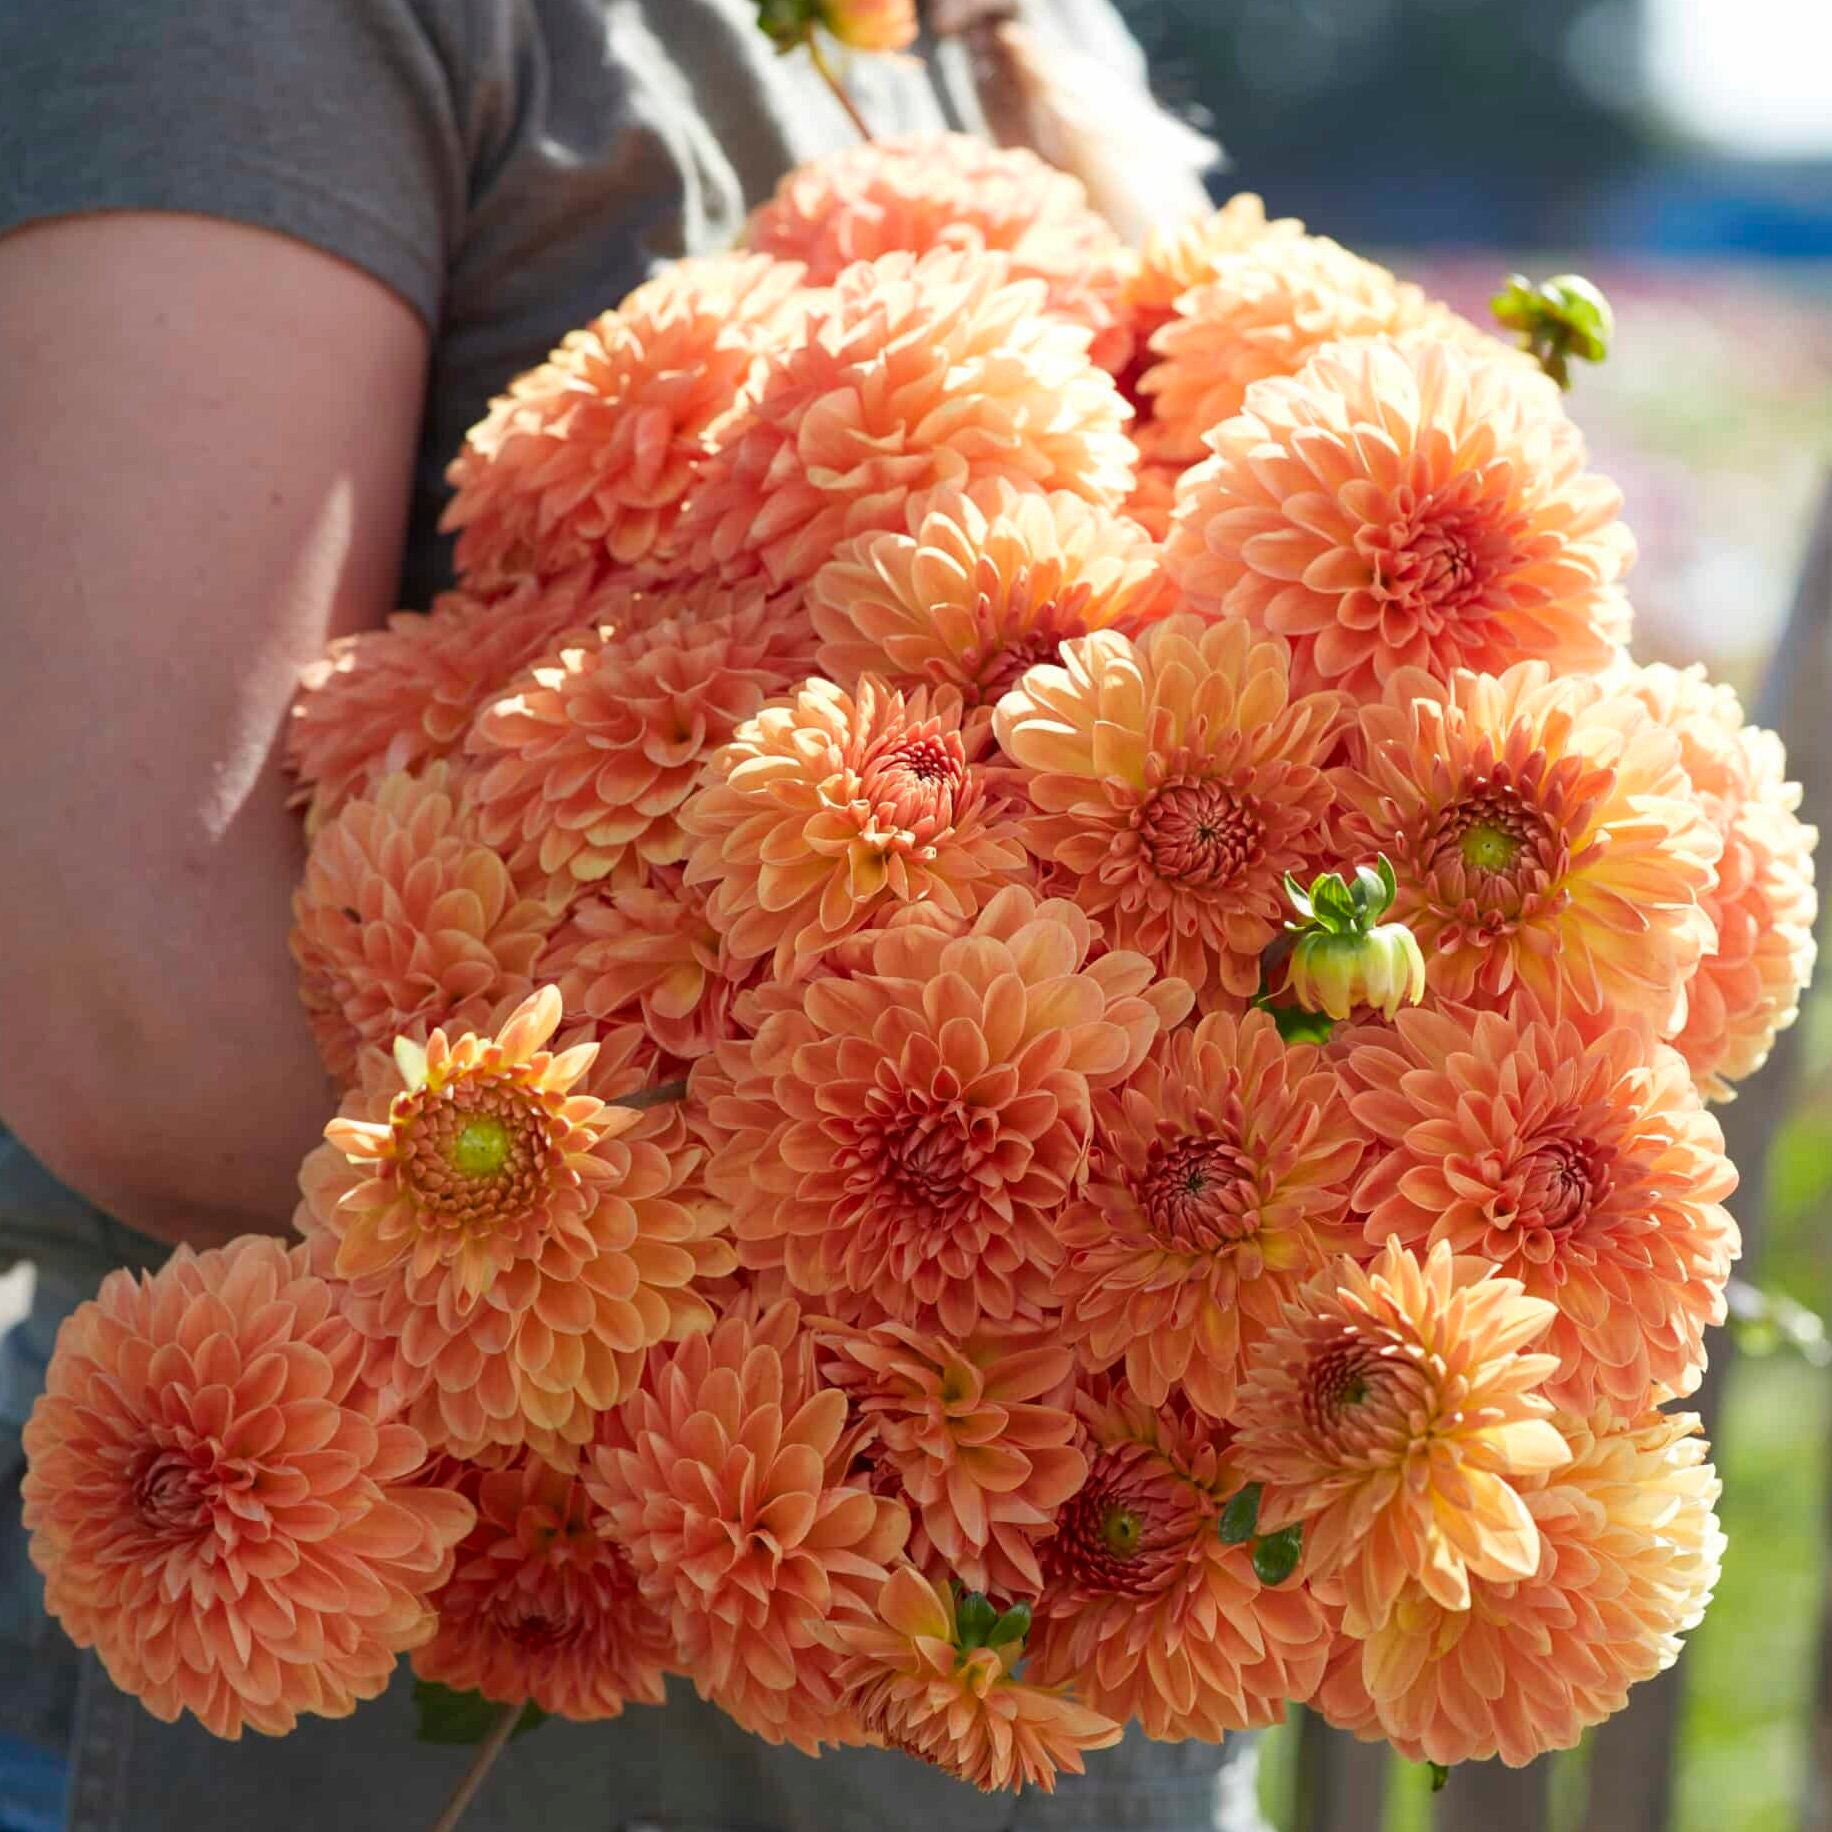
(1275, 1557)
(1439, 1775)
(1240, 1517)
(1296, 1025)
(462, 1717)
(976, 1619)
(1014, 1625)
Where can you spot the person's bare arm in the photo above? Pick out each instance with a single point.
(208, 440)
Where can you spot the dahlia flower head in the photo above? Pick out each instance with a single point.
(1181, 254)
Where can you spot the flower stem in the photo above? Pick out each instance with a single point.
(831, 77)
(657, 1096)
(481, 1763)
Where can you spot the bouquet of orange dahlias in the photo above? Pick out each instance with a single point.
(1028, 998)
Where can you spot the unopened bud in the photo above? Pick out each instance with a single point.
(1560, 318)
(1343, 955)
(871, 25)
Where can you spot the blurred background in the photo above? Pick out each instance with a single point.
(1679, 152)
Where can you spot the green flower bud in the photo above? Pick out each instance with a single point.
(1560, 318)
(1343, 955)
(787, 23)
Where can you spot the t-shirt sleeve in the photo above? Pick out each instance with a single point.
(336, 122)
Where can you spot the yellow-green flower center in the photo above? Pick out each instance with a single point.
(480, 1147)
(1121, 1531)
(1490, 847)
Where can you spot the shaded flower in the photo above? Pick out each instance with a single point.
(1407, 504)
(902, 1139)
(216, 1504)
(917, 371)
(1630, 1555)
(405, 920)
(1219, 1180)
(920, 1682)
(588, 457)
(1543, 833)
(1393, 1413)
(723, 1476)
(503, 1235)
(977, 1438)
(980, 588)
(1145, 1612)
(1154, 497)
(1174, 782)
(831, 808)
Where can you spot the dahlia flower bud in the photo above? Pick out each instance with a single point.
(1560, 318)
(1344, 955)
(871, 25)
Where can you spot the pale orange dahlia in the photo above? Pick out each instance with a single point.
(581, 767)
(396, 698)
(405, 919)
(1577, 1160)
(1407, 504)
(901, 1140)
(1394, 1413)
(540, 1608)
(502, 1234)
(918, 371)
(1173, 781)
(1153, 501)
(1219, 1180)
(216, 1504)
(1765, 907)
(829, 809)
(980, 588)
(724, 1477)
(1630, 1551)
(1145, 1612)
(1543, 833)
(976, 1438)
(1182, 253)
(923, 1684)
(956, 191)
(587, 458)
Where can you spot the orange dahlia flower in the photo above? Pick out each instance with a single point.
(1153, 500)
(955, 191)
(1145, 1612)
(502, 1234)
(1543, 833)
(1630, 1556)
(396, 698)
(1394, 1413)
(215, 1503)
(540, 1608)
(1184, 252)
(1407, 504)
(724, 1478)
(1174, 780)
(976, 1438)
(1219, 1180)
(404, 920)
(587, 458)
(581, 768)
(901, 1140)
(922, 1682)
(1765, 908)
(978, 590)
(918, 371)
(830, 809)
(1577, 1160)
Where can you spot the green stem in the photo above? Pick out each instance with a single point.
(657, 1096)
(831, 77)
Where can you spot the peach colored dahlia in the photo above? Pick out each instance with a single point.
(1145, 1612)
(724, 1478)
(1577, 1160)
(1184, 252)
(1630, 1556)
(396, 698)
(829, 809)
(1219, 1180)
(405, 919)
(1407, 504)
(978, 590)
(581, 767)
(1153, 500)
(976, 1437)
(917, 371)
(539, 1607)
(956, 191)
(215, 1503)
(920, 1682)
(502, 1234)
(1765, 907)
(1173, 781)
(587, 458)
(1394, 1412)
(1543, 833)
(901, 1141)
